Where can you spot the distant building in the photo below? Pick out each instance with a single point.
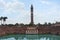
(57, 24)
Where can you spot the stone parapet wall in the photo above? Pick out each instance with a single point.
(4, 30)
(12, 30)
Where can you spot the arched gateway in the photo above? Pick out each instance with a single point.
(32, 30)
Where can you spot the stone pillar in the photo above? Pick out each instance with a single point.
(32, 15)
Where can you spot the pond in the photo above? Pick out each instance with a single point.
(30, 37)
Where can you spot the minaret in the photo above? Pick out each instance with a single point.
(32, 15)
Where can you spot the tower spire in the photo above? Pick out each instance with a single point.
(32, 15)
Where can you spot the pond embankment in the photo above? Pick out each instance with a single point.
(4, 30)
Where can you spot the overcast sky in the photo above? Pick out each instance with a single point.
(18, 11)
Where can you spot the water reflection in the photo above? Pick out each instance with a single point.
(30, 37)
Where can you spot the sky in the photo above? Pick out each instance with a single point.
(18, 11)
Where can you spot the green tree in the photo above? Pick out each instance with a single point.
(17, 24)
(38, 24)
(1, 19)
(45, 23)
(4, 19)
(21, 24)
(49, 24)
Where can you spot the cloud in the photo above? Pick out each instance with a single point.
(13, 6)
(50, 12)
(16, 12)
(45, 2)
(14, 9)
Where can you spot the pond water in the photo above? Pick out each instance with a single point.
(30, 37)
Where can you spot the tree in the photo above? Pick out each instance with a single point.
(17, 24)
(4, 19)
(1, 18)
(21, 24)
(38, 24)
(45, 23)
(49, 24)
